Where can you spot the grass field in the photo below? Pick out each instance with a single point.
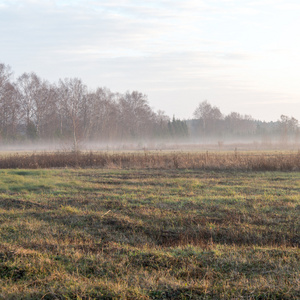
(149, 234)
(234, 160)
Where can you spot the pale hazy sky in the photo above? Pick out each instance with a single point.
(240, 55)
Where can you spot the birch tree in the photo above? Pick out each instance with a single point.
(72, 97)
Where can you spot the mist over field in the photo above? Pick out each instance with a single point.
(38, 115)
(149, 149)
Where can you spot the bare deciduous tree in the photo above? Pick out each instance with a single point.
(8, 104)
(209, 116)
(72, 98)
(136, 115)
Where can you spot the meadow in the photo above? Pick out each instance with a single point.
(163, 229)
(205, 160)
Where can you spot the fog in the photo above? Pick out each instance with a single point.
(213, 145)
(36, 115)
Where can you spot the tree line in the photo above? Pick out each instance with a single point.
(33, 109)
(210, 124)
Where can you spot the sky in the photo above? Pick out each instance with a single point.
(239, 55)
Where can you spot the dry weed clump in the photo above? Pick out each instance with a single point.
(154, 160)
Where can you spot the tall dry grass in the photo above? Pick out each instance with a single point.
(154, 160)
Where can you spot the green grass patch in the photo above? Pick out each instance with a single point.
(149, 234)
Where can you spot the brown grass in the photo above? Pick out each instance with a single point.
(156, 160)
(149, 234)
